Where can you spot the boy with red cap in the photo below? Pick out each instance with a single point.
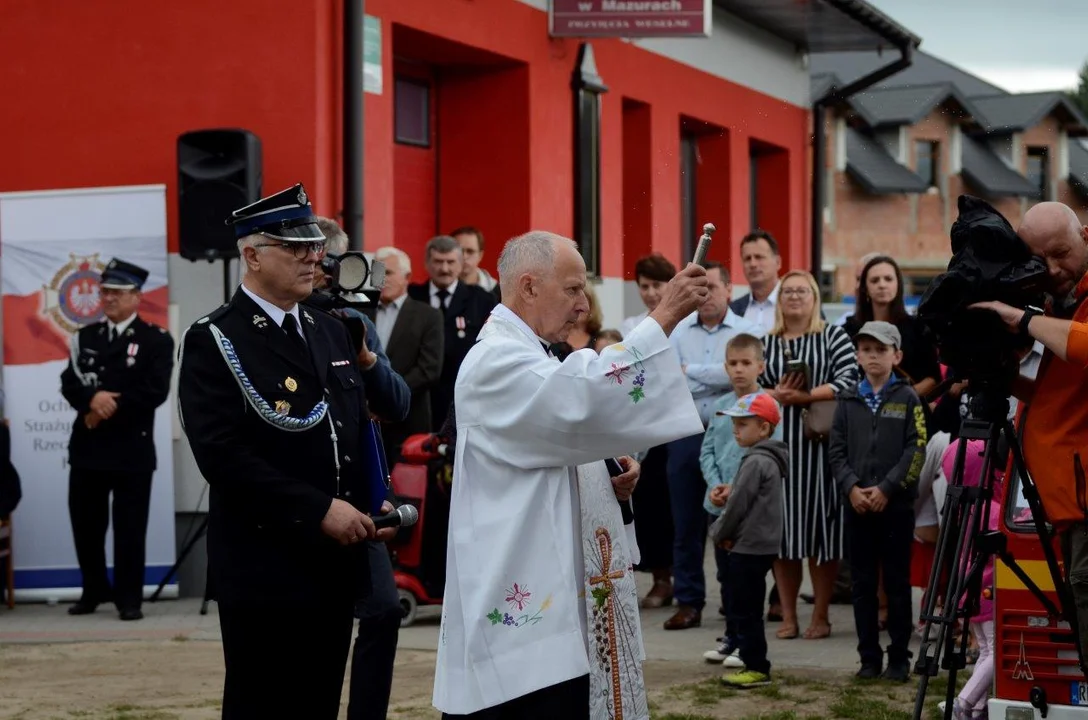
(751, 528)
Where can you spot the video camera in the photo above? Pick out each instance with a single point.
(989, 262)
(352, 282)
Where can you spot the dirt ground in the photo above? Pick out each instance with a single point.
(182, 680)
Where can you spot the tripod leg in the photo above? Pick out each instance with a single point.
(181, 558)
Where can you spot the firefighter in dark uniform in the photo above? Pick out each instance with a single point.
(274, 401)
(118, 373)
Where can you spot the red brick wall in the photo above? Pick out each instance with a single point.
(914, 229)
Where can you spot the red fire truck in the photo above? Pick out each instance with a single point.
(1037, 673)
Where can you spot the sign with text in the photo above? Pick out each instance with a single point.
(54, 244)
(629, 18)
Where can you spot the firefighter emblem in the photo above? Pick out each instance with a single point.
(72, 299)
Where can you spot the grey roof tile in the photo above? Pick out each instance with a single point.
(1078, 168)
(985, 170)
(924, 70)
(1011, 113)
(877, 171)
(905, 105)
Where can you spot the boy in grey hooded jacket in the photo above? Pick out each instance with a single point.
(750, 527)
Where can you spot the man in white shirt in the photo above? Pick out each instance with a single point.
(540, 612)
(762, 263)
(699, 341)
(471, 241)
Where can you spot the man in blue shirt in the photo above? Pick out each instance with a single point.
(699, 341)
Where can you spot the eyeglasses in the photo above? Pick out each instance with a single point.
(797, 292)
(300, 249)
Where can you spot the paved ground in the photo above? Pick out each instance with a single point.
(75, 661)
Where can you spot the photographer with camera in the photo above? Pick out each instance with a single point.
(1054, 426)
(378, 611)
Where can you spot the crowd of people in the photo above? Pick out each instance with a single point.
(751, 421)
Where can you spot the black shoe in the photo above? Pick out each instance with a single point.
(898, 671)
(83, 608)
(131, 614)
(869, 671)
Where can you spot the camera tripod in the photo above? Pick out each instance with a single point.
(965, 545)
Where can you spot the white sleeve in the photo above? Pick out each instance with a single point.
(535, 413)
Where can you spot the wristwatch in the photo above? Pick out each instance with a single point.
(1025, 320)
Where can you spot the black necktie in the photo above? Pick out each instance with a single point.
(442, 295)
(113, 334)
(290, 326)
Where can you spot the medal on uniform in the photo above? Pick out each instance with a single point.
(291, 384)
(283, 407)
(460, 326)
(133, 348)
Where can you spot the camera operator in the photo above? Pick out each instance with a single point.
(378, 611)
(1054, 427)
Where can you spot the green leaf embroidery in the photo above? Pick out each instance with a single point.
(495, 616)
(600, 596)
(636, 394)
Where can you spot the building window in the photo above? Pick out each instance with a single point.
(412, 112)
(1039, 170)
(689, 160)
(927, 161)
(588, 88)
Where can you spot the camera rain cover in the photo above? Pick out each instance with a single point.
(989, 262)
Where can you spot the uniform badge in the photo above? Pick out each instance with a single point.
(460, 326)
(133, 348)
(130, 332)
(291, 384)
(308, 316)
(302, 199)
(130, 361)
(260, 321)
(283, 407)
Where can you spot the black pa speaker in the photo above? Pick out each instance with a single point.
(219, 171)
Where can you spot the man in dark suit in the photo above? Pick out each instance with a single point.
(274, 402)
(465, 309)
(411, 332)
(118, 373)
(761, 261)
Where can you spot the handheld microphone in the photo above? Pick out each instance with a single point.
(403, 516)
(704, 244)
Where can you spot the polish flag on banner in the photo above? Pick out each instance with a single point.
(53, 248)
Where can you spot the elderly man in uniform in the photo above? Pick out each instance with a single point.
(274, 402)
(118, 373)
(540, 614)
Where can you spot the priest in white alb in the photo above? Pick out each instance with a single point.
(540, 613)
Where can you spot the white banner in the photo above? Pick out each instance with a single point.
(52, 247)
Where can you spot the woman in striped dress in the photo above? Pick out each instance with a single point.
(811, 502)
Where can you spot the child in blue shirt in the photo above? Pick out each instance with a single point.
(720, 458)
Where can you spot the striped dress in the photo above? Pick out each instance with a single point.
(812, 504)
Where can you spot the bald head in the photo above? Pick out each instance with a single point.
(1054, 232)
(543, 279)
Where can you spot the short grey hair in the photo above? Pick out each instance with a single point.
(442, 244)
(533, 252)
(250, 240)
(336, 240)
(389, 251)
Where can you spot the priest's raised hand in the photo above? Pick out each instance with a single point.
(681, 297)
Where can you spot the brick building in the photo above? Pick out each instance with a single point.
(899, 154)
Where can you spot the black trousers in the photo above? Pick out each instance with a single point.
(881, 540)
(747, 586)
(375, 649)
(285, 662)
(566, 701)
(89, 509)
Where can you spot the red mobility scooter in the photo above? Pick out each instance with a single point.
(422, 478)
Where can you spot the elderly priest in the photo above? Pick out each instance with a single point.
(540, 617)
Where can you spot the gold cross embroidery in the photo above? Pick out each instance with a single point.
(604, 543)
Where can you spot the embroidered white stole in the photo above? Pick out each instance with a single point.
(616, 686)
